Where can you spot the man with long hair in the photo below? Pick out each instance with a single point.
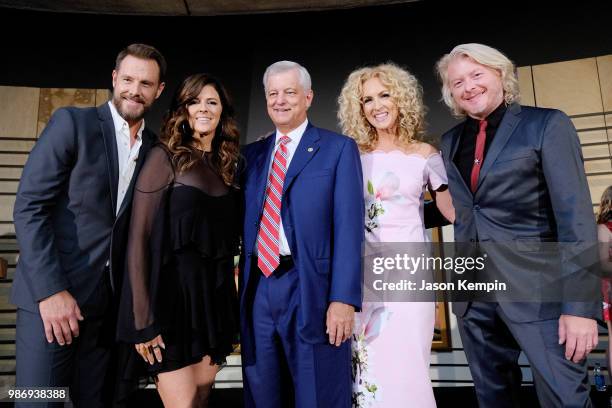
(516, 175)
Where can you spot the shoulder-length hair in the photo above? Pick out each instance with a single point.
(483, 55)
(406, 92)
(605, 206)
(177, 134)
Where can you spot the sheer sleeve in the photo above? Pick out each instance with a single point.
(137, 321)
(436, 173)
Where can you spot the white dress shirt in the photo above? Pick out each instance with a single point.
(295, 135)
(126, 154)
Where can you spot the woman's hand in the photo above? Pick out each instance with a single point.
(151, 350)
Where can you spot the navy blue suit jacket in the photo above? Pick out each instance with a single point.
(532, 188)
(323, 215)
(65, 208)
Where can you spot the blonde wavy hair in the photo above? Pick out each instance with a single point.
(406, 92)
(483, 55)
(605, 206)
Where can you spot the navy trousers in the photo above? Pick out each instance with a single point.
(288, 372)
(82, 366)
(493, 343)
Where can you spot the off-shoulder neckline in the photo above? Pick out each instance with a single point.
(398, 151)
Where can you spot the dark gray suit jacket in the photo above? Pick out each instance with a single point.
(65, 208)
(532, 188)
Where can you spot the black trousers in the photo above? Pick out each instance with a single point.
(83, 366)
(493, 343)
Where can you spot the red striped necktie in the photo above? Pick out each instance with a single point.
(268, 238)
(481, 137)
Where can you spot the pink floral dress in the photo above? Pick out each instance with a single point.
(392, 340)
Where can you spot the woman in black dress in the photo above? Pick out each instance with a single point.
(179, 300)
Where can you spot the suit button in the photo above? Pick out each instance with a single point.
(476, 208)
(472, 240)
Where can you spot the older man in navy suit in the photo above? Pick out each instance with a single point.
(71, 216)
(301, 270)
(516, 175)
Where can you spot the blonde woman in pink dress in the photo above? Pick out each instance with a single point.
(382, 108)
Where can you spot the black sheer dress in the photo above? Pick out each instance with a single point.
(179, 279)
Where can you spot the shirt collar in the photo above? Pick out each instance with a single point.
(295, 135)
(121, 125)
(493, 120)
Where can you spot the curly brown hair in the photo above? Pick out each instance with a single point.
(605, 206)
(177, 134)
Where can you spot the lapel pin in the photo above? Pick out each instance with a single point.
(310, 149)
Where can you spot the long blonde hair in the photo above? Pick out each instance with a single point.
(406, 92)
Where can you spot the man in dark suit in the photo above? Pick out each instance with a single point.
(71, 217)
(301, 268)
(516, 175)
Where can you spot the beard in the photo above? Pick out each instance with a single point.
(130, 114)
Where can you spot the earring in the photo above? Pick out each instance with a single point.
(185, 128)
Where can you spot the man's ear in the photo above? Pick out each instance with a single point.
(309, 97)
(160, 89)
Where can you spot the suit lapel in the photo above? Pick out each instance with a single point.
(454, 147)
(110, 144)
(505, 130)
(262, 164)
(307, 148)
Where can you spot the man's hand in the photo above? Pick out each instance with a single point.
(60, 314)
(579, 335)
(340, 317)
(151, 350)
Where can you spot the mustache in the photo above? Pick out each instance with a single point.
(134, 98)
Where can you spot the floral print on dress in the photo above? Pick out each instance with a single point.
(368, 325)
(386, 190)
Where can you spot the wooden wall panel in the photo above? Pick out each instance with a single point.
(10, 173)
(593, 136)
(12, 159)
(572, 86)
(604, 66)
(6, 208)
(597, 185)
(102, 95)
(598, 151)
(526, 86)
(19, 111)
(7, 229)
(589, 122)
(53, 98)
(598, 166)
